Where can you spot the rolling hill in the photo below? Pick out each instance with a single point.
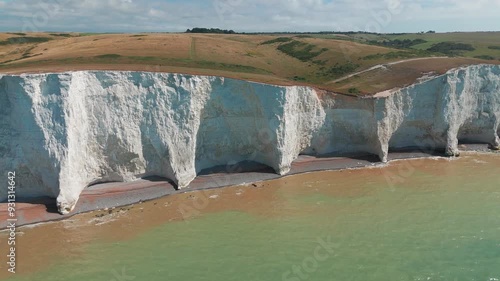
(334, 62)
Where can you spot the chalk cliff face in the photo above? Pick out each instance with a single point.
(64, 132)
(462, 105)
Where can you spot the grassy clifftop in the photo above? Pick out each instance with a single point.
(333, 62)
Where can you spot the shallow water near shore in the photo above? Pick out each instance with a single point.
(427, 219)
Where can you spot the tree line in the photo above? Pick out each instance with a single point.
(210, 30)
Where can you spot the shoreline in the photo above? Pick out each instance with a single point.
(114, 195)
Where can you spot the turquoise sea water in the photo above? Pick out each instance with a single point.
(435, 220)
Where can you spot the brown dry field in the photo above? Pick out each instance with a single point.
(233, 56)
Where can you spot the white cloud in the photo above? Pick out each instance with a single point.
(257, 15)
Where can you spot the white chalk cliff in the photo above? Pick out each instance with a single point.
(64, 132)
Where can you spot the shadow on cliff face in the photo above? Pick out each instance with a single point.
(160, 179)
(239, 167)
(48, 202)
(370, 158)
(51, 207)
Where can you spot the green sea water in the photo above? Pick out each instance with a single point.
(411, 223)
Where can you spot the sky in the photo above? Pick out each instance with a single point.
(384, 16)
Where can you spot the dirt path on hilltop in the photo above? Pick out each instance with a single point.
(381, 66)
(192, 51)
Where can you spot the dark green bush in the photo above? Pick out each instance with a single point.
(398, 55)
(300, 50)
(353, 91)
(108, 56)
(277, 40)
(401, 44)
(450, 48)
(24, 40)
(485, 57)
(61, 34)
(342, 69)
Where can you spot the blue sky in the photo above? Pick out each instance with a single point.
(246, 16)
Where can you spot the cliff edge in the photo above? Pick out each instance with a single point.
(62, 132)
